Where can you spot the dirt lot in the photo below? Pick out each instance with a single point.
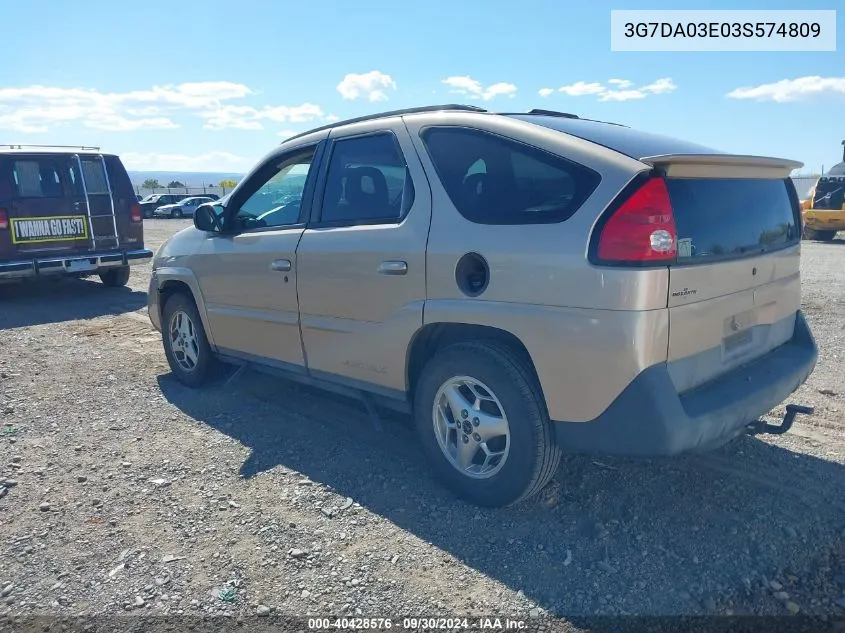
(125, 492)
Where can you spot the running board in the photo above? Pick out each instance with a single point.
(760, 427)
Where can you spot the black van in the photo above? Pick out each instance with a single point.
(68, 211)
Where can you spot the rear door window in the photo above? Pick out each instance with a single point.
(731, 217)
(367, 181)
(494, 180)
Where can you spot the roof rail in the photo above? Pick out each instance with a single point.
(553, 113)
(22, 146)
(383, 115)
(564, 115)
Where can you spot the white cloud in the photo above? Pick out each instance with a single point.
(371, 86)
(616, 89)
(581, 88)
(36, 108)
(467, 86)
(661, 86)
(210, 161)
(249, 118)
(621, 95)
(332, 118)
(285, 134)
(800, 89)
(545, 92)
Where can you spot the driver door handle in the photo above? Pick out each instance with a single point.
(281, 265)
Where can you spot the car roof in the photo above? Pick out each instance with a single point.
(617, 137)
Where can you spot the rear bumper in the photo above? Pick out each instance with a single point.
(78, 263)
(649, 418)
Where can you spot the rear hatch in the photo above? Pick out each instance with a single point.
(726, 226)
(735, 286)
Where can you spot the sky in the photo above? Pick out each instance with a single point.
(213, 85)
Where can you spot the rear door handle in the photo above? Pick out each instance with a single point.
(393, 268)
(281, 265)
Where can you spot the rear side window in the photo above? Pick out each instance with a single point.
(36, 178)
(729, 218)
(494, 180)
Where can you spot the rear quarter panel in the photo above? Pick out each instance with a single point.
(589, 330)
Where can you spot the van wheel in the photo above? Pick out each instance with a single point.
(176, 214)
(185, 344)
(115, 277)
(481, 418)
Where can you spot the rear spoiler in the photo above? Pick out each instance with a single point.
(722, 166)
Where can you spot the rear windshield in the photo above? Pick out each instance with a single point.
(729, 218)
(624, 140)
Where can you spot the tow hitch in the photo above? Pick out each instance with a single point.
(759, 427)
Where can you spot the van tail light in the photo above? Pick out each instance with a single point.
(642, 229)
(135, 212)
(4, 219)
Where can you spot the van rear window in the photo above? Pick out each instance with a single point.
(36, 178)
(731, 217)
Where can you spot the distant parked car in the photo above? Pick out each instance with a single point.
(155, 200)
(182, 208)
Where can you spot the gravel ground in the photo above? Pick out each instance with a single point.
(124, 492)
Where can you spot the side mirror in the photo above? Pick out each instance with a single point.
(208, 217)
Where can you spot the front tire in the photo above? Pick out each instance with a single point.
(186, 347)
(176, 214)
(115, 277)
(481, 418)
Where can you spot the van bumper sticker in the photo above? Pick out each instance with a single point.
(60, 228)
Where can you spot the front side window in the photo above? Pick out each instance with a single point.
(278, 200)
(494, 180)
(367, 181)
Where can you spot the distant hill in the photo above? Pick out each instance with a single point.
(187, 178)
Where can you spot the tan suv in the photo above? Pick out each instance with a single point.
(524, 284)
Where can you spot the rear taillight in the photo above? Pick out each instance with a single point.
(642, 229)
(135, 212)
(4, 220)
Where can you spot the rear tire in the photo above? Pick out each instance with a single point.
(461, 373)
(819, 234)
(186, 347)
(115, 277)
